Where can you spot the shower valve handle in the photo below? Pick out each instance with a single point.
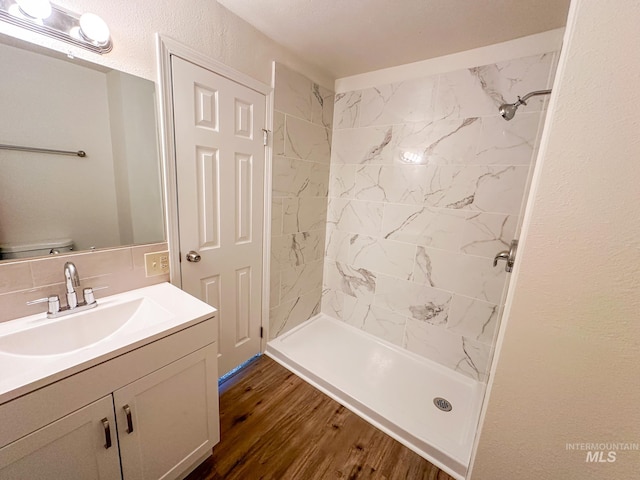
(501, 256)
(508, 255)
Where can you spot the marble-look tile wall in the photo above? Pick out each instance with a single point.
(426, 186)
(301, 154)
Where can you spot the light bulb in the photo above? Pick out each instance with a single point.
(38, 9)
(94, 29)
(412, 157)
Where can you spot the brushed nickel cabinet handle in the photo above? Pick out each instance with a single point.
(127, 411)
(107, 433)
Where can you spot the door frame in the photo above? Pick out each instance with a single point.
(165, 48)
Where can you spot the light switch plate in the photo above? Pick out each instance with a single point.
(156, 263)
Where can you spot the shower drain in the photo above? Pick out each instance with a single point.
(443, 404)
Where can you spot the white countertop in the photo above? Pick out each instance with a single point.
(21, 374)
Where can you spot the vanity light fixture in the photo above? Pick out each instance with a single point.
(88, 30)
(36, 9)
(94, 29)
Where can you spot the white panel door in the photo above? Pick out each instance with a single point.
(220, 157)
(74, 447)
(167, 420)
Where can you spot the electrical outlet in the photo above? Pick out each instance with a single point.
(156, 263)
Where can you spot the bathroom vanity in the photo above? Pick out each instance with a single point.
(126, 390)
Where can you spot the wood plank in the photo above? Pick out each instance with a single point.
(274, 425)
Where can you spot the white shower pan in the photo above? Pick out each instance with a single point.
(389, 387)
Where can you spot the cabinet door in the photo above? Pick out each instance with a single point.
(169, 419)
(73, 447)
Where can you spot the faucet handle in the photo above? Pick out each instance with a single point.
(88, 296)
(53, 302)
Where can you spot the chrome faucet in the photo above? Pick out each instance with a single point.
(71, 280)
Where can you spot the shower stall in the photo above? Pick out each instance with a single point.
(389, 206)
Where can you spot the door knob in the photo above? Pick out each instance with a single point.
(508, 255)
(193, 257)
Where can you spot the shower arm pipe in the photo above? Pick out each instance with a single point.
(523, 100)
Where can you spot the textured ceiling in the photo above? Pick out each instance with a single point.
(347, 37)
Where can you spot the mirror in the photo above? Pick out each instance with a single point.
(53, 202)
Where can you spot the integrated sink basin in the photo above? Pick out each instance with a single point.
(37, 351)
(80, 330)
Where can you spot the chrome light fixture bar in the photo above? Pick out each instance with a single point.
(86, 31)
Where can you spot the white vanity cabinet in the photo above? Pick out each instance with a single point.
(158, 418)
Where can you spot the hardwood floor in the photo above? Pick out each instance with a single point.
(274, 425)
